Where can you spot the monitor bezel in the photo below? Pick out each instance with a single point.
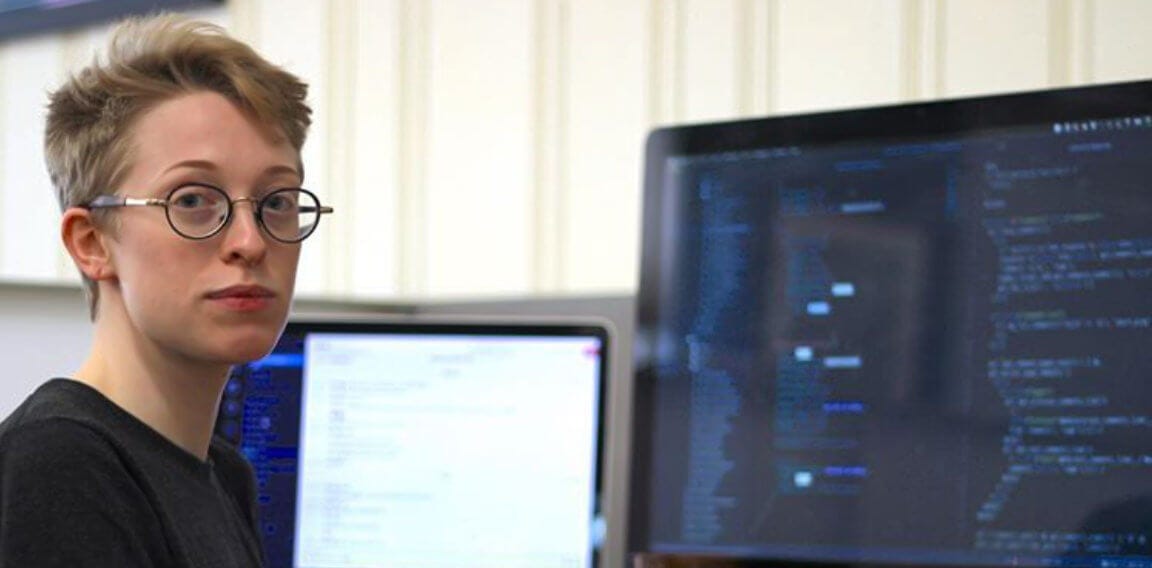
(906, 121)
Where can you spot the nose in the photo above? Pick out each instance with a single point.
(244, 241)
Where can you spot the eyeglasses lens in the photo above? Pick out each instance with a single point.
(197, 211)
(289, 214)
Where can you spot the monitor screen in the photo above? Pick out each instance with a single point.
(911, 335)
(424, 444)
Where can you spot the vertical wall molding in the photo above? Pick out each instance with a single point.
(549, 151)
(679, 45)
(1060, 60)
(924, 49)
(756, 25)
(1081, 40)
(934, 59)
(5, 196)
(1072, 25)
(742, 64)
(771, 86)
(655, 60)
(340, 147)
(912, 50)
(412, 244)
(666, 45)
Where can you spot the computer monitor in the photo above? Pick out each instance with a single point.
(910, 335)
(425, 443)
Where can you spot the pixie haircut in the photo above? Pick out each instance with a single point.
(91, 117)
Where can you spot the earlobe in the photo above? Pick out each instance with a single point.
(86, 244)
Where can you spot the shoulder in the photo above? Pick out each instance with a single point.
(60, 477)
(47, 443)
(62, 457)
(56, 437)
(57, 398)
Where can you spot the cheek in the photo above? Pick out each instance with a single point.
(157, 274)
(287, 262)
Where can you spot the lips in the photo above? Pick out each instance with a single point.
(242, 291)
(244, 298)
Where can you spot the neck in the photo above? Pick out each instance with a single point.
(174, 395)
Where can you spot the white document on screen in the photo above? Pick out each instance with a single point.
(447, 451)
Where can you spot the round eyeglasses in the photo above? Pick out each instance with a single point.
(198, 211)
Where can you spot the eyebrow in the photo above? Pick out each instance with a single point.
(208, 165)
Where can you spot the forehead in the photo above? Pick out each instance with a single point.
(207, 128)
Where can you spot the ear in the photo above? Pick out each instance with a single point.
(87, 244)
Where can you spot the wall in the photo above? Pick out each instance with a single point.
(492, 149)
(44, 333)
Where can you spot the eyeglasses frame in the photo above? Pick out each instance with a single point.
(114, 201)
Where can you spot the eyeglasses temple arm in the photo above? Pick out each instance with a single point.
(105, 201)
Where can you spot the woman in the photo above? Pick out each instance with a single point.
(176, 161)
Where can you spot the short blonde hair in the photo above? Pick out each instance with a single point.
(91, 118)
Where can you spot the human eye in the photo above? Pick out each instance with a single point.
(281, 202)
(195, 197)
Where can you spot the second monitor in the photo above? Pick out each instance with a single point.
(425, 443)
(911, 335)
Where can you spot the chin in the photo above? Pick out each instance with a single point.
(250, 345)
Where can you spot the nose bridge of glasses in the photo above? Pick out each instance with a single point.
(254, 203)
(252, 200)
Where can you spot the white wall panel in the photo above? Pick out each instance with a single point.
(551, 41)
(368, 208)
(479, 158)
(342, 67)
(495, 148)
(608, 120)
(413, 158)
(29, 214)
(1122, 40)
(995, 46)
(295, 34)
(710, 78)
(837, 53)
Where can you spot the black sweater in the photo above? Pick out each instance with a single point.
(84, 483)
